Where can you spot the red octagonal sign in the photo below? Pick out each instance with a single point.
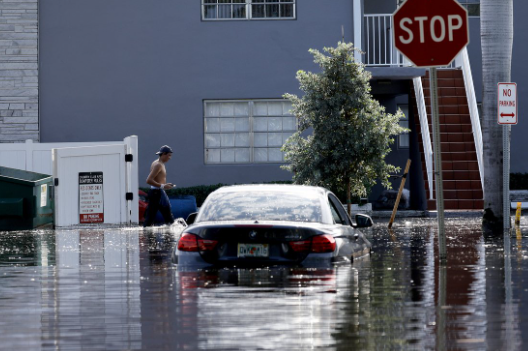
(430, 33)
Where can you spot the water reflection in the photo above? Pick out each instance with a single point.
(116, 289)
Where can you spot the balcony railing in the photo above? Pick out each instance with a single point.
(379, 46)
(378, 43)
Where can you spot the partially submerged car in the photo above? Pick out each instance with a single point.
(267, 225)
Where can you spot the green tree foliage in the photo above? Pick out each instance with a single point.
(350, 131)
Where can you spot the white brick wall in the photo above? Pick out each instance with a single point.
(18, 71)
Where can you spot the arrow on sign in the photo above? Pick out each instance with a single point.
(508, 115)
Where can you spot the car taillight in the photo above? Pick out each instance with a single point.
(192, 242)
(323, 243)
(318, 243)
(300, 246)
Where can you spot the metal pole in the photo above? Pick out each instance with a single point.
(506, 175)
(437, 153)
(508, 308)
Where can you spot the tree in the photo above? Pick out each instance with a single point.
(496, 31)
(351, 133)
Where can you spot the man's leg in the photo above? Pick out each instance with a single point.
(152, 207)
(167, 214)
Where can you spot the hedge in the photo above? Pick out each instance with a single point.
(200, 192)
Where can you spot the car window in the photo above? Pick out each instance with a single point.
(262, 205)
(337, 208)
(335, 214)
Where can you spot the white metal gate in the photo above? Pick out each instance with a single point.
(120, 176)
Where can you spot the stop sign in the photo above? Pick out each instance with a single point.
(430, 33)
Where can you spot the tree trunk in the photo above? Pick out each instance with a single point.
(496, 31)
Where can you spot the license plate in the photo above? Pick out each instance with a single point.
(253, 250)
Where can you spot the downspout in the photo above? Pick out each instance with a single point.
(358, 29)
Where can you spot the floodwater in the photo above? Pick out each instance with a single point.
(116, 289)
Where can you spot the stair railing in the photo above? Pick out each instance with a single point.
(462, 60)
(424, 126)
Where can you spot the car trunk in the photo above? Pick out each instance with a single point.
(255, 244)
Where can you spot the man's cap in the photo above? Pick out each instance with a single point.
(165, 149)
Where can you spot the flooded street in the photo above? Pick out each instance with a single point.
(116, 289)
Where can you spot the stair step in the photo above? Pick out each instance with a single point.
(455, 156)
(447, 100)
(471, 194)
(458, 175)
(457, 205)
(458, 166)
(446, 73)
(449, 118)
(457, 82)
(455, 146)
(457, 185)
(454, 137)
(444, 91)
(449, 128)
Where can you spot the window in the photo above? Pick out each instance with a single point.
(403, 139)
(246, 131)
(262, 205)
(338, 212)
(247, 9)
(472, 7)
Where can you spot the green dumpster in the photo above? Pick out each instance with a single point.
(26, 200)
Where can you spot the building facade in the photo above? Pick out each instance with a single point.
(206, 77)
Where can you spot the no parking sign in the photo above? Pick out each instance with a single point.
(507, 103)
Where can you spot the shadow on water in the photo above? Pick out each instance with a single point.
(116, 289)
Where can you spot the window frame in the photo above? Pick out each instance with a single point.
(252, 115)
(249, 11)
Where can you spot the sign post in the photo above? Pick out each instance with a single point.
(430, 33)
(507, 115)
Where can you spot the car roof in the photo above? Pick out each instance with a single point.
(274, 188)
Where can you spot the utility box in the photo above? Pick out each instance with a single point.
(26, 199)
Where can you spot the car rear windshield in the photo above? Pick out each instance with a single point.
(260, 205)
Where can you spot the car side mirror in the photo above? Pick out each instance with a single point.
(191, 218)
(363, 221)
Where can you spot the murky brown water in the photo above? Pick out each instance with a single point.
(115, 289)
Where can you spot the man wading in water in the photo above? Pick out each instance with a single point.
(157, 179)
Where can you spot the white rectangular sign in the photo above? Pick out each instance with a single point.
(91, 202)
(507, 103)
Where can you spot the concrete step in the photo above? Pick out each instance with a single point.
(457, 185)
(468, 194)
(457, 205)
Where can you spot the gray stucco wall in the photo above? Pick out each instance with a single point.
(115, 68)
(18, 70)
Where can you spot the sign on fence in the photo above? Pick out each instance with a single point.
(91, 200)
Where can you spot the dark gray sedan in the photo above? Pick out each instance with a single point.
(267, 225)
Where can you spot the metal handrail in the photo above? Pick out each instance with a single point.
(424, 126)
(462, 60)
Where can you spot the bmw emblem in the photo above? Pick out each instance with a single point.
(253, 234)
